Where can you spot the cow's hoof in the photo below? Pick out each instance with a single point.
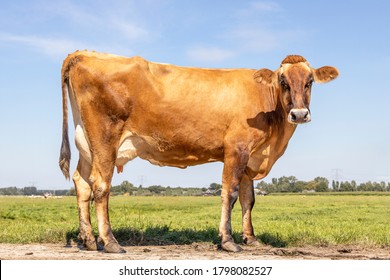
(91, 245)
(230, 246)
(114, 247)
(252, 242)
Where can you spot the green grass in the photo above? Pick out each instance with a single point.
(280, 220)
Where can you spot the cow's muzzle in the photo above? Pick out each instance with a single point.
(297, 116)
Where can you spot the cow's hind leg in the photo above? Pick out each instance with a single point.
(101, 178)
(247, 200)
(84, 191)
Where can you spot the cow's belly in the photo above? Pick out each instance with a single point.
(162, 153)
(147, 148)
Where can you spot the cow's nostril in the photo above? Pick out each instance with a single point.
(293, 117)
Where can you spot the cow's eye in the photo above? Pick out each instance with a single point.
(308, 85)
(283, 83)
(282, 80)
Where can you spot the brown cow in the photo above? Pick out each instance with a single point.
(179, 116)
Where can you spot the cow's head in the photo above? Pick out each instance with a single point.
(294, 79)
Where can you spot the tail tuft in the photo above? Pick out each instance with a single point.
(64, 160)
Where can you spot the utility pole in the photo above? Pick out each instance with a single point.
(142, 179)
(337, 174)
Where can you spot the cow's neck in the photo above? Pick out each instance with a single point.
(270, 148)
(285, 129)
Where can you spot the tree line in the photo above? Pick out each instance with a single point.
(319, 184)
(285, 184)
(32, 191)
(127, 188)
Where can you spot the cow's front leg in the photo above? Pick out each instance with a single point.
(234, 166)
(229, 197)
(247, 201)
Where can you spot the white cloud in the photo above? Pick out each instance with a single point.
(119, 19)
(105, 28)
(255, 8)
(49, 46)
(209, 54)
(256, 28)
(111, 23)
(259, 39)
(129, 30)
(59, 48)
(255, 39)
(265, 6)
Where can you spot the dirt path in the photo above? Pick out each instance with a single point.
(201, 251)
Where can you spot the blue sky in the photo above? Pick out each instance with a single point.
(350, 128)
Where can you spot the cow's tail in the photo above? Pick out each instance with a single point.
(65, 153)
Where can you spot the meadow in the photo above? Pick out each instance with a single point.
(279, 220)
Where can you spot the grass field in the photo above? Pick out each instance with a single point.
(279, 220)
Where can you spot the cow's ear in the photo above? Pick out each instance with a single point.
(325, 74)
(265, 77)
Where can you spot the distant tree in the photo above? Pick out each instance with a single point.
(286, 184)
(300, 186)
(354, 185)
(156, 189)
(262, 185)
(72, 192)
(321, 184)
(267, 187)
(311, 186)
(215, 186)
(321, 187)
(283, 184)
(124, 187)
(10, 191)
(29, 191)
(347, 186)
(127, 187)
(335, 185)
(383, 186)
(364, 187)
(372, 186)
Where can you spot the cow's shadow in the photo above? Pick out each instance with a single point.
(163, 235)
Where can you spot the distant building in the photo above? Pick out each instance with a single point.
(211, 192)
(260, 192)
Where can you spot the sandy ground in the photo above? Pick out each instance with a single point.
(199, 251)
